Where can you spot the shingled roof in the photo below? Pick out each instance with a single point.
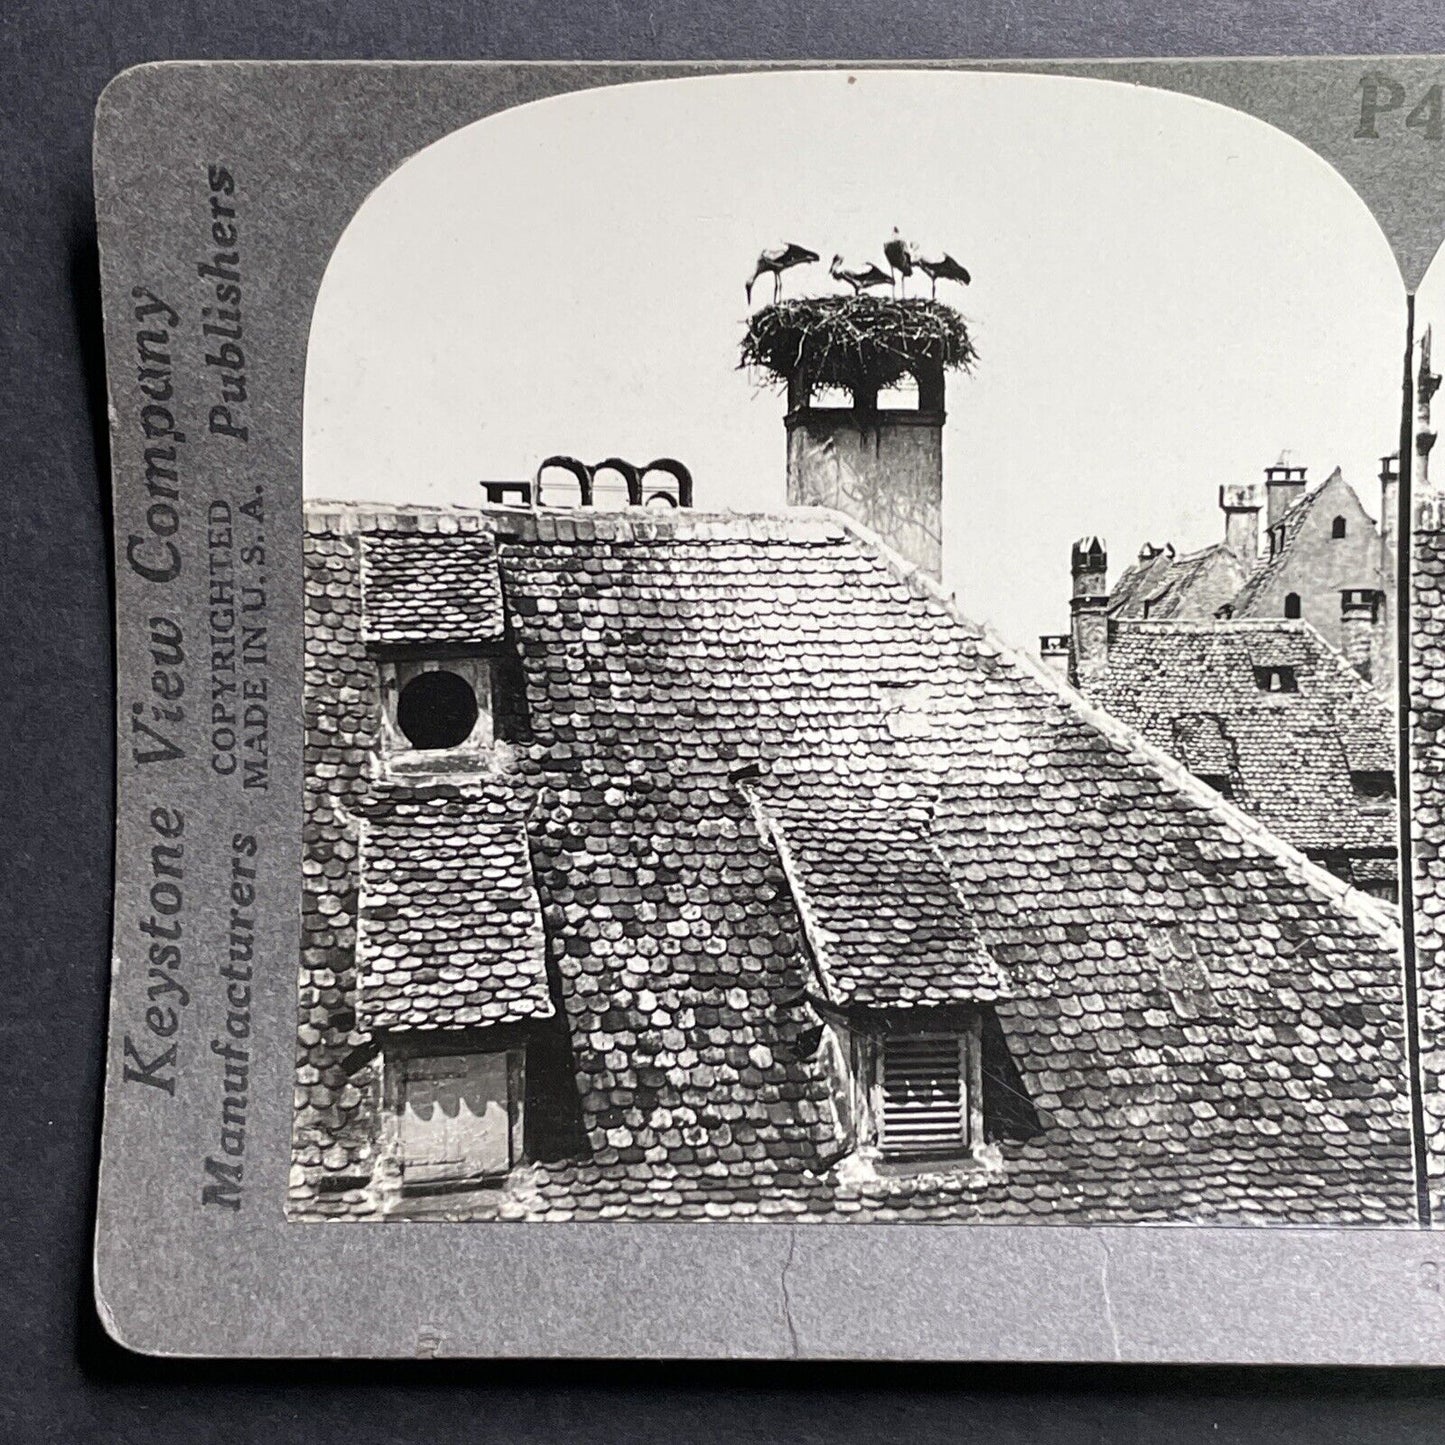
(450, 926)
(435, 584)
(1199, 1024)
(883, 917)
(1191, 689)
(1167, 584)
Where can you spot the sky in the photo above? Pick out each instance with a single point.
(1166, 295)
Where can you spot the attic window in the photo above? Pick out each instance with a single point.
(1276, 540)
(924, 1093)
(447, 712)
(437, 705)
(1376, 784)
(1292, 605)
(1337, 528)
(1275, 679)
(437, 709)
(1220, 782)
(909, 1100)
(459, 1118)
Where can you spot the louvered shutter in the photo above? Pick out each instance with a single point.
(925, 1103)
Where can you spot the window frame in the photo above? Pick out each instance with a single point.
(1375, 787)
(1288, 679)
(1222, 783)
(396, 1068)
(867, 1094)
(399, 752)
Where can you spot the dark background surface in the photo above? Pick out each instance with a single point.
(60, 1378)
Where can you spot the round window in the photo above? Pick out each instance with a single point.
(437, 710)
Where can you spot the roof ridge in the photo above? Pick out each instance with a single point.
(348, 517)
(1213, 624)
(1199, 552)
(1364, 909)
(813, 525)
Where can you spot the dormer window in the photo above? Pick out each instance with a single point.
(923, 1096)
(1220, 782)
(903, 995)
(1276, 679)
(1276, 540)
(437, 708)
(911, 1100)
(459, 1118)
(447, 713)
(1373, 785)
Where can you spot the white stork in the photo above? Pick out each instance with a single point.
(776, 260)
(899, 255)
(940, 266)
(860, 278)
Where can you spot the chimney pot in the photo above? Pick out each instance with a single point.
(1054, 652)
(1284, 485)
(1241, 504)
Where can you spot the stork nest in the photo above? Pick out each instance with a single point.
(858, 343)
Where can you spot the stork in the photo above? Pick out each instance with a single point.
(899, 255)
(860, 278)
(940, 266)
(776, 260)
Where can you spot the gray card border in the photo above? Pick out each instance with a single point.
(307, 143)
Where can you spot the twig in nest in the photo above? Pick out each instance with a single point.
(860, 343)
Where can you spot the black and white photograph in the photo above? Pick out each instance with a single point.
(851, 668)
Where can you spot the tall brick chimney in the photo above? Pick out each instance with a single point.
(1284, 485)
(883, 467)
(1241, 505)
(1089, 632)
(1360, 619)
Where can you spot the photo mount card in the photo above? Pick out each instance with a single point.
(643, 788)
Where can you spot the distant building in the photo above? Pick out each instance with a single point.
(1427, 777)
(1264, 662)
(1289, 551)
(1319, 543)
(1262, 709)
(1427, 816)
(1272, 718)
(1164, 584)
